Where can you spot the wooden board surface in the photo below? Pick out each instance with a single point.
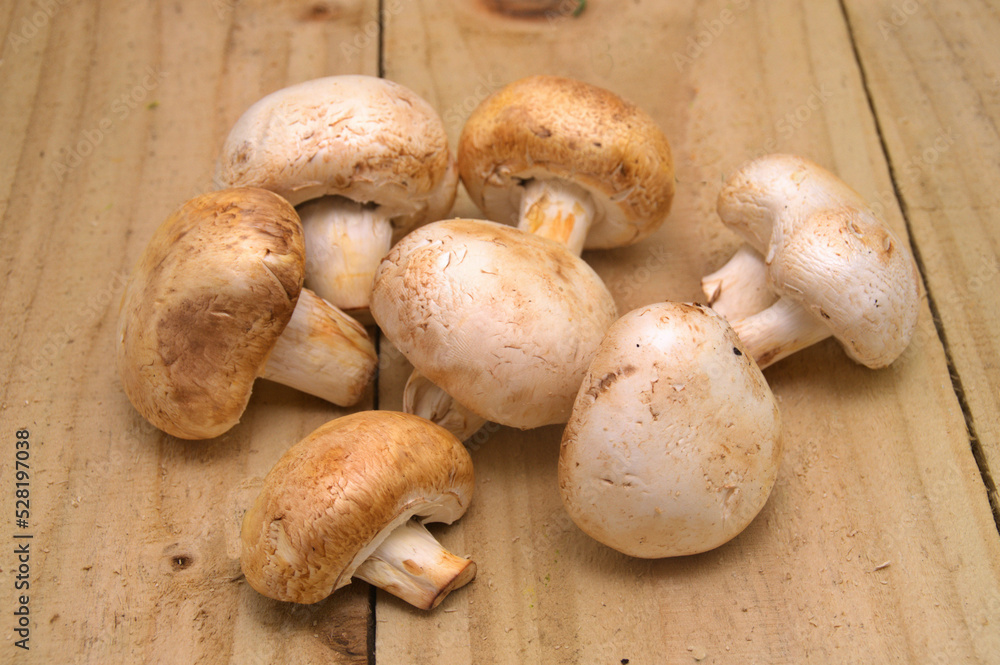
(939, 125)
(117, 117)
(878, 543)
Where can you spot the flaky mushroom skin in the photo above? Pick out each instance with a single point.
(828, 252)
(674, 442)
(331, 499)
(213, 290)
(361, 137)
(502, 320)
(548, 126)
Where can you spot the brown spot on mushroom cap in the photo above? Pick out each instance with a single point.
(679, 455)
(361, 137)
(841, 265)
(504, 321)
(208, 298)
(827, 251)
(332, 498)
(552, 127)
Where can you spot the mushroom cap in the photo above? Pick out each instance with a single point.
(208, 298)
(504, 321)
(674, 442)
(550, 127)
(332, 499)
(827, 251)
(361, 137)
(848, 270)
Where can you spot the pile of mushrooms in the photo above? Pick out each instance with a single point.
(563, 160)
(365, 160)
(672, 440)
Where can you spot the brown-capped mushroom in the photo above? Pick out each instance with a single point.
(502, 320)
(367, 158)
(833, 266)
(216, 301)
(350, 500)
(569, 161)
(675, 439)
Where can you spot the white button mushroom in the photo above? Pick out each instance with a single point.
(833, 266)
(674, 442)
(504, 321)
(215, 301)
(571, 161)
(369, 155)
(350, 500)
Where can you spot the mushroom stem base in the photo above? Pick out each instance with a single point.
(412, 565)
(323, 352)
(739, 289)
(345, 241)
(557, 210)
(426, 399)
(779, 331)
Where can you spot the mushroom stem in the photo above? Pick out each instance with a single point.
(739, 289)
(426, 399)
(323, 352)
(412, 565)
(779, 331)
(345, 241)
(557, 210)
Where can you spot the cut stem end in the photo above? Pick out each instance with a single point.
(411, 565)
(323, 352)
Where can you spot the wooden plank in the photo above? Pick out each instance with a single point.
(114, 113)
(877, 544)
(939, 124)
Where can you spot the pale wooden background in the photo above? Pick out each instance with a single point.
(879, 543)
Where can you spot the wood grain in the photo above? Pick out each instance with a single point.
(113, 114)
(877, 543)
(939, 125)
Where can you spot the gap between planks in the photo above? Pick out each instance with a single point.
(975, 444)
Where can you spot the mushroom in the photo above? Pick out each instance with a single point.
(833, 267)
(350, 500)
(569, 161)
(739, 288)
(215, 301)
(370, 157)
(504, 321)
(675, 438)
